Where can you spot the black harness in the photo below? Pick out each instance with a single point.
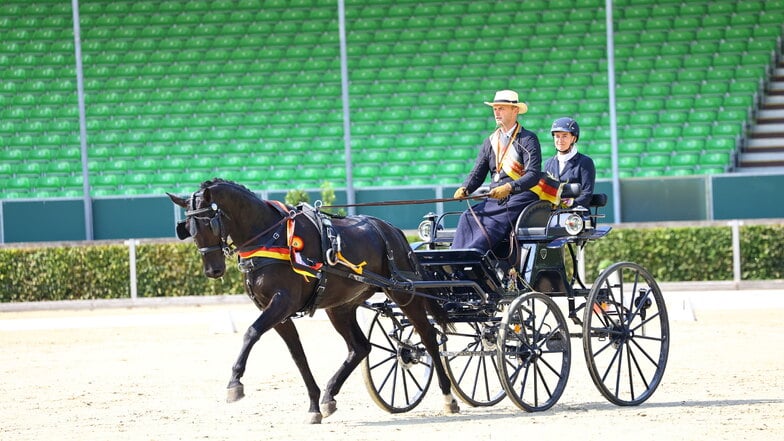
(274, 237)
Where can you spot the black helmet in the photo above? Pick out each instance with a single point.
(566, 125)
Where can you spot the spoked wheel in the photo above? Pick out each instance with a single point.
(398, 370)
(469, 359)
(626, 334)
(534, 352)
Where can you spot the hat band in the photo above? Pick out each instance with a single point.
(507, 101)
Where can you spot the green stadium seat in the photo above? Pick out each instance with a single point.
(691, 144)
(680, 159)
(700, 130)
(659, 161)
(728, 129)
(732, 115)
(649, 172)
(713, 159)
(661, 145)
(703, 116)
(680, 171)
(726, 144)
(744, 85)
(707, 170)
(644, 118)
(665, 131)
(628, 161)
(631, 146)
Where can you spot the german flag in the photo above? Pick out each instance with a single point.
(548, 189)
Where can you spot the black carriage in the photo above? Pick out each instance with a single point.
(508, 334)
(502, 315)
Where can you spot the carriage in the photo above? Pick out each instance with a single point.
(509, 334)
(489, 325)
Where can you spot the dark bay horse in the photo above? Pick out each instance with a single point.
(223, 211)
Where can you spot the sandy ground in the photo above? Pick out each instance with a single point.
(160, 374)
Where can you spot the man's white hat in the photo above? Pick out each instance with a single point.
(509, 98)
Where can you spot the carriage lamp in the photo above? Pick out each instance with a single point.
(425, 230)
(574, 224)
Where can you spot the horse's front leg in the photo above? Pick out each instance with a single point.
(273, 314)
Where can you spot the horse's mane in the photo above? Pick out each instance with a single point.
(232, 184)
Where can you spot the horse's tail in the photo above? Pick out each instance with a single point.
(396, 239)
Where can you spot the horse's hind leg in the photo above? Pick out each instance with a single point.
(288, 332)
(417, 315)
(344, 320)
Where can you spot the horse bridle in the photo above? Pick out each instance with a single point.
(215, 219)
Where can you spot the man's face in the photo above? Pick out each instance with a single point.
(563, 141)
(505, 115)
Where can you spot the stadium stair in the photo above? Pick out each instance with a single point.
(764, 149)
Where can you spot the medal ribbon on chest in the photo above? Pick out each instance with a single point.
(500, 151)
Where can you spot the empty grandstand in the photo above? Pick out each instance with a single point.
(179, 91)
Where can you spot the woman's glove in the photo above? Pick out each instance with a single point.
(460, 193)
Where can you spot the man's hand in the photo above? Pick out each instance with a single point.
(501, 192)
(460, 193)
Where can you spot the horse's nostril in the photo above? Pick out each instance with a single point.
(213, 272)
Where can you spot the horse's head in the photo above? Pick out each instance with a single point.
(206, 222)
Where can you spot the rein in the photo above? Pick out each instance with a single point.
(404, 202)
(230, 248)
(291, 215)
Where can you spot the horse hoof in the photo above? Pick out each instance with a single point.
(452, 407)
(329, 407)
(315, 418)
(235, 393)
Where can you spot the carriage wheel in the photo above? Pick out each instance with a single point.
(534, 352)
(469, 359)
(398, 369)
(626, 334)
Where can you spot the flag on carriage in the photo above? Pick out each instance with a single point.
(549, 189)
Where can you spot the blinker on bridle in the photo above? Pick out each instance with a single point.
(216, 226)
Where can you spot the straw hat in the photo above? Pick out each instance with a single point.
(508, 97)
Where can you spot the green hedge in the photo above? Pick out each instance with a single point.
(102, 272)
(165, 269)
(693, 253)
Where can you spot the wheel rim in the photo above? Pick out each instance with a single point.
(398, 370)
(469, 359)
(626, 334)
(534, 352)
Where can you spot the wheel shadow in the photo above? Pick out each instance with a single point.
(485, 414)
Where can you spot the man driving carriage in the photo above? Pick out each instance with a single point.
(568, 165)
(514, 157)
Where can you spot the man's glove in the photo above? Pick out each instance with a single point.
(501, 191)
(460, 193)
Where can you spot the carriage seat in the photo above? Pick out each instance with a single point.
(534, 220)
(598, 200)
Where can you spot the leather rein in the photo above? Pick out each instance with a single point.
(216, 222)
(215, 218)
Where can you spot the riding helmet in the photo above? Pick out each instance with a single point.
(566, 125)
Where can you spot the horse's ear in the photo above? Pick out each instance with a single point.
(178, 200)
